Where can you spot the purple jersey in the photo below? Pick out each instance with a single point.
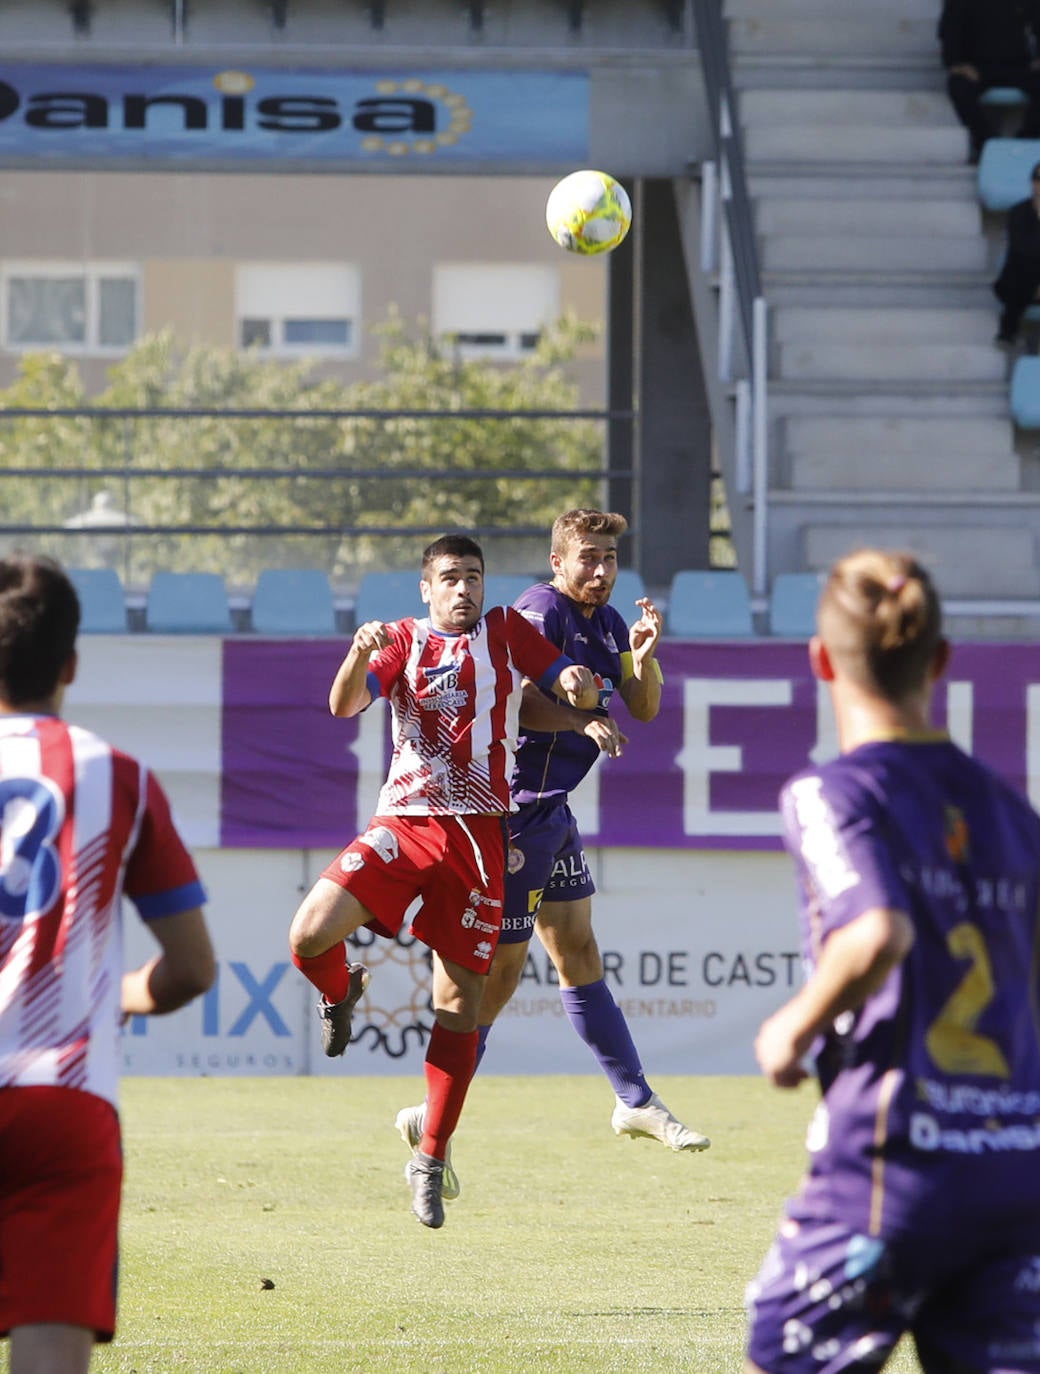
(930, 1115)
(551, 765)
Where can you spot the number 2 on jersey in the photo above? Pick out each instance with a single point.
(952, 1040)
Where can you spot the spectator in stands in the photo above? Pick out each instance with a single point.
(987, 43)
(1019, 279)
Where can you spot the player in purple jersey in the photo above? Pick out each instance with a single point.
(548, 883)
(919, 872)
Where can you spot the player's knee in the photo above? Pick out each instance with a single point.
(456, 1018)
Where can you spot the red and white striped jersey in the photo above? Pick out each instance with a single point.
(455, 700)
(80, 823)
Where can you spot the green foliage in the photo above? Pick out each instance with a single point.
(432, 456)
(568, 1250)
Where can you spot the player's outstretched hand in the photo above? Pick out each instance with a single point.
(644, 634)
(606, 734)
(371, 636)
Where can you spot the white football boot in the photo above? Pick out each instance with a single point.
(656, 1122)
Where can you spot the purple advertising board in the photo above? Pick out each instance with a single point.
(735, 721)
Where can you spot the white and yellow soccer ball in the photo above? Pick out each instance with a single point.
(588, 212)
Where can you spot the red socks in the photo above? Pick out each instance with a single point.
(328, 972)
(451, 1062)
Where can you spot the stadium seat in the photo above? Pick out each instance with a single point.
(502, 589)
(189, 603)
(101, 601)
(714, 604)
(792, 604)
(388, 596)
(1003, 95)
(293, 601)
(1025, 393)
(628, 588)
(1004, 169)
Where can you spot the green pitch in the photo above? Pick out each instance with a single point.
(266, 1230)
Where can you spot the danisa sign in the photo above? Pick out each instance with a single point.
(214, 116)
(736, 720)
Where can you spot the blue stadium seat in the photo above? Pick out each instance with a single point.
(502, 589)
(628, 588)
(101, 600)
(709, 605)
(293, 601)
(792, 604)
(189, 603)
(388, 596)
(1004, 169)
(1025, 393)
(1003, 95)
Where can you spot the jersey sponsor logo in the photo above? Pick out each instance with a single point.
(482, 949)
(516, 859)
(477, 898)
(383, 841)
(442, 689)
(471, 921)
(350, 863)
(570, 871)
(518, 922)
(534, 900)
(821, 843)
(928, 1135)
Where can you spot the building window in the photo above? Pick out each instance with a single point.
(494, 310)
(82, 309)
(309, 309)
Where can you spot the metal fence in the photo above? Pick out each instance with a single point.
(238, 490)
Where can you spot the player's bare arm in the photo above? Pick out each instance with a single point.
(577, 685)
(550, 715)
(349, 692)
(641, 692)
(853, 964)
(184, 969)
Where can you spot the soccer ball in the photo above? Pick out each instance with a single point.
(588, 212)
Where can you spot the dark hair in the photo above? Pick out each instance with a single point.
(880, 620)
(572, 524)
(39, 620)
(451, 546)
(1034, 175)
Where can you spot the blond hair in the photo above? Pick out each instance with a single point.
(880, 620)
(573, 524)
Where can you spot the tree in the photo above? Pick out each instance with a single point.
(317, 471)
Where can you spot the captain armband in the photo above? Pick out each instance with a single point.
(627, 672)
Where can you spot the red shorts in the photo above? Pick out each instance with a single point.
(456, 864)
(61, 1171)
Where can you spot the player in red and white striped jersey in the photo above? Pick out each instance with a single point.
(454, 680)
(80, 824)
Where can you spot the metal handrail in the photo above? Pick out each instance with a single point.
(728, 247)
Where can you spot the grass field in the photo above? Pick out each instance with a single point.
(569, 1250)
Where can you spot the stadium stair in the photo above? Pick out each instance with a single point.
(889, 404)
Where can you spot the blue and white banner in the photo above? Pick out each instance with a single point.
(222, 116)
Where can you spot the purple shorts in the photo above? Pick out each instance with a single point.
(546, 863)
(828, 1299)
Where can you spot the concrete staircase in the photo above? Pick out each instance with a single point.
(889, 418)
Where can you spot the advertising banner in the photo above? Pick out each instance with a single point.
(212, 116)
(735, 721)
